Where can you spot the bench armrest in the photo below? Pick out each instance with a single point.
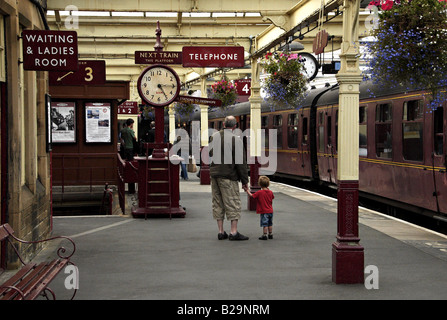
(60, 251)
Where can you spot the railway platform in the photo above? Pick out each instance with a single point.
(126, 258)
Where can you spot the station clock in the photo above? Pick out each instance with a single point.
(310, 65)
(158, 85)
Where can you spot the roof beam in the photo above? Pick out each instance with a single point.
(176, 5)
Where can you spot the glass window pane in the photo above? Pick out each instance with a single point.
(383, 141)
(439, 131)
(277, 124)
(321, 139)
(363, 150)
(292, 131)
(304, 129)
(412, 141)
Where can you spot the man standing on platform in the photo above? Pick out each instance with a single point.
(228, 165)
(128, 138)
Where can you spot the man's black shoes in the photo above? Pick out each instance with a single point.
(222, 236)
(237, 236)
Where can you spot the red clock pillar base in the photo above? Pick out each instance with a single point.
(204, 166)
(254, 186)
(347, 253)
(158, 188)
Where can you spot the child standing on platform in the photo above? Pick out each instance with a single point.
(264, 207)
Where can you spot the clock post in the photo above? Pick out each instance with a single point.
(158, 176)
(158, 152)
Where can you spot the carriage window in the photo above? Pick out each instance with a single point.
(412, 130)
(277, 124)
(363, 150)
(439, 131)
(292, 130)
(384, 147)
(212, 124)
(329, 130)
(265, 136)
(321, 132)
(304, 129)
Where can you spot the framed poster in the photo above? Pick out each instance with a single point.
(98, 117)
(63, 122)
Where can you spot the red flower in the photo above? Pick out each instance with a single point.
(374, 3)
(387, 5)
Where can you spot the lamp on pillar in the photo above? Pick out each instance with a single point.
(347, 253)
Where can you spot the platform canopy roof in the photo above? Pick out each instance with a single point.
(112, 30)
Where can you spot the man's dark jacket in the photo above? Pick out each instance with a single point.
(233, 171)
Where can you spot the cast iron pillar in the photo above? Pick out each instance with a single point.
(255, 132)
(347, 253)
(204, 159)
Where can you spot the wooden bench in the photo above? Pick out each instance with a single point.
(32, 279)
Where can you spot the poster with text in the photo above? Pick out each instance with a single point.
(98, 122)
(63, 122)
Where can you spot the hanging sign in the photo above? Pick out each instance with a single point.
(213, 56)
(50, 50)
(243, 87)
(89, 72)
(320, 42)
(198, 100)
(128, 107)
(158, 57)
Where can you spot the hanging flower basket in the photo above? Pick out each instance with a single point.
(410, 45)
(225, 91)
(184, 109)
(285, 84)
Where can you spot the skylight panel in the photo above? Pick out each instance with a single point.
(127, 14)
(91, 13)
(162, 14)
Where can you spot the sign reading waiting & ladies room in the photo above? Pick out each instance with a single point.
(47, 50)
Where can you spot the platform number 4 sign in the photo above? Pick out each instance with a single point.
(243, 87)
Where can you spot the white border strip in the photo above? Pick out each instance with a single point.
(100, 229)
(366, 209)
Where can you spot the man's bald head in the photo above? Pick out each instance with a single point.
(230, 122)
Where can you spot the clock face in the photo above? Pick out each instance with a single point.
(310, 65)
(158, 85)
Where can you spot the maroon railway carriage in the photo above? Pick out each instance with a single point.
(402, 144)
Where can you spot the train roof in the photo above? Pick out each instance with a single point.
(327, 95)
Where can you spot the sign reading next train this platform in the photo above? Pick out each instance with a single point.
(158, 57)
(213, 56)
(50, 50)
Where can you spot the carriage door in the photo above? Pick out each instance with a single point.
(439, 123)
